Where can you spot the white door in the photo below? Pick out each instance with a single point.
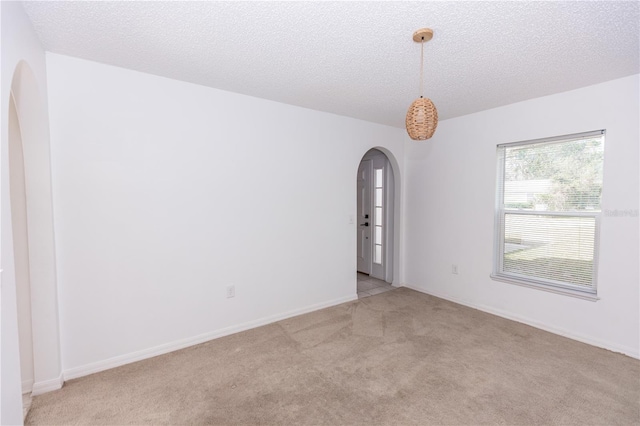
(364, 216)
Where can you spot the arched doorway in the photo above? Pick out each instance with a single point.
(28, 239)
(18, 197)
(375, 223)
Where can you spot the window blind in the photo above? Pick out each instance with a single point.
(548, 204)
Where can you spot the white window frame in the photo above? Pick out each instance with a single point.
(498, 274)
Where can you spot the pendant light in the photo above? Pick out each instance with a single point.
(422, 117)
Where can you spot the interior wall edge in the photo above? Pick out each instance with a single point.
(27, 386)
(48, 385)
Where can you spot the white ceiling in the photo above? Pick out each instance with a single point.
(356, 58)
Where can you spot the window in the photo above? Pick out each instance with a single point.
(548, 212)
(377, 240)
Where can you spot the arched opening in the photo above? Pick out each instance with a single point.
(30, 236)
(18, 197)
(376, 224)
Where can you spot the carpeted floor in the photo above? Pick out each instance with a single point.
(396, 358)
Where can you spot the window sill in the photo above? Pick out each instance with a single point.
(558, 290)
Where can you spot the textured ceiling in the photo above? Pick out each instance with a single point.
(356, 58)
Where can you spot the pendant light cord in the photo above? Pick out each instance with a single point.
(421, 67)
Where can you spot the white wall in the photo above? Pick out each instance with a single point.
(450, 197)
(166, 192)
(23, 73)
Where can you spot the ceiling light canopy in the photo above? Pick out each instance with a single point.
(422, 117)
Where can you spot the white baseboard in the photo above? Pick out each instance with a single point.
(47, 386)
(106, 364)
(27, 386)
(629, 351)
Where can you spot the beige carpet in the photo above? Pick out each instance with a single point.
(396, 358)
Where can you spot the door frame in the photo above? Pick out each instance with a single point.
(363, 261)
(381, 158)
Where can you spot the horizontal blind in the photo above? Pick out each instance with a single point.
(548, 204)
(554, 248)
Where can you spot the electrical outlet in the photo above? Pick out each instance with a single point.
(454, 269)
(231, 291)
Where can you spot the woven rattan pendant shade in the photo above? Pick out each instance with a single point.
(422, 117)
